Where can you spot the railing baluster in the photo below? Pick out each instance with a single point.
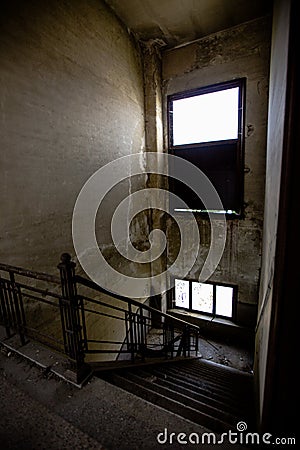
(165, 331)
(196, 344)
(138, 330)
(17, 300)
(10, 306)
(131, 333)
(84, 331)
(127, 325)
(142, 341)
(63, 324)
(70, 319)
(4, 311)
(172, 340)
(185, 341)
(135, 321)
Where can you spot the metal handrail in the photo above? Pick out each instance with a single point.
(73, 306)
(30, 273)
(96, 287)
(90, 284)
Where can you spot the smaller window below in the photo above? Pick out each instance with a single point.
(182, 293)
(202, 297)
(224, 297)
(208, 298)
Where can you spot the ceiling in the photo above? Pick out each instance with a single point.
(175, 22)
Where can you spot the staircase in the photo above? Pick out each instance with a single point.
(206, 393)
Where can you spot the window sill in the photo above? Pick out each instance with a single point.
(204, 317)
(215, 327)
(208, 215)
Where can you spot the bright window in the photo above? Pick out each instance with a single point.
(182, 293)
(208, 298)
(224, 296)
(202, 297)
(207, 117)
(205, 127)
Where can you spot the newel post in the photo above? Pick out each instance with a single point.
(70, 319)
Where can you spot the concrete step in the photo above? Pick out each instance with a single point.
(170, 404)
(187, 397)
(220, 380)
(205, 393)
(201, 394)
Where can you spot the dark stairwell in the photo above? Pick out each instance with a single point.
(166, 367)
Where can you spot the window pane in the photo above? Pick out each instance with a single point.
(202, 297)
(182, 298)
(206, 117)
(224, 301)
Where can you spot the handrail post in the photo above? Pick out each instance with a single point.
(70, 319)
(4, 315)
(155, 302)
(18, 306)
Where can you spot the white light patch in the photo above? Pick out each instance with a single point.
(207, 117)
(224, 296)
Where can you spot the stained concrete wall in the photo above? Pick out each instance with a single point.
(242, 51)
(71, 101)
(275, 143)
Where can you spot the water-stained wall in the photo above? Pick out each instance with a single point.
(276, 158)
(72, 100)
(242, 51)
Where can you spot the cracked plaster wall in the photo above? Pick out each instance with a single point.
(242, 51)
(276, 141)
(72, 100)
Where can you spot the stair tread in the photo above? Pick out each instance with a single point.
(173, 405)
(208, 394)
(217, 400)
(172, 391)
(202, 383)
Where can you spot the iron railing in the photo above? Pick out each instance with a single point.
(63, 313)
(28, 302)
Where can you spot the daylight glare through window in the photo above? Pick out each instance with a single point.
(207, 298)
(206, 117)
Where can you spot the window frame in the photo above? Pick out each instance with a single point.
(205, 313)
(237, 144)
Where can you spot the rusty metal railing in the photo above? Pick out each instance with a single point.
(67, 313)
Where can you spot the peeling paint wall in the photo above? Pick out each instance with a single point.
(275, 149)
(154, 143)
(72, 100)
(242, 51)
